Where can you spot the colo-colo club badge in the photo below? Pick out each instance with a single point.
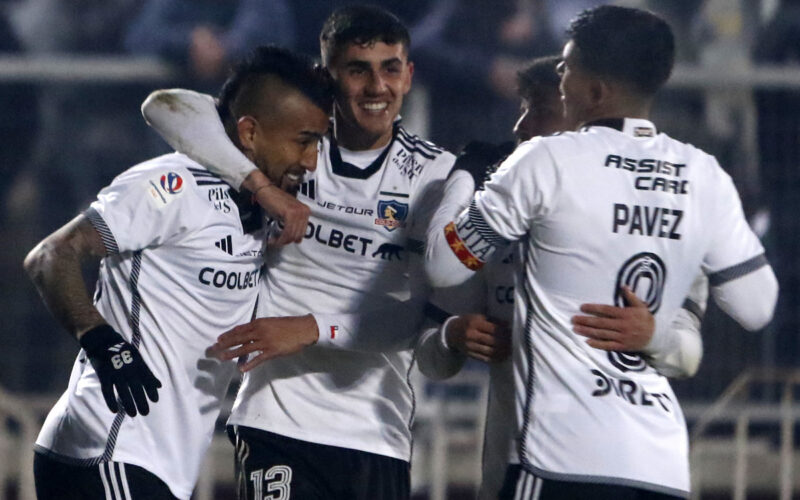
(392, 214)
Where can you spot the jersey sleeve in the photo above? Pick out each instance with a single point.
(677, 349)
(741, 279)
(735, 250)
(435, 359)
(523, 189)
(356, 331)
(144, 208)
(188, 121)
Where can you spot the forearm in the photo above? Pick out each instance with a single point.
(372, 331)
(54, 266)
(188, 121)
(749, 299)
(434, 358)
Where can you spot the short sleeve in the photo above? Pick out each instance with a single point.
(429, 195)
(144, 207)
(735, 250)
(520, 191)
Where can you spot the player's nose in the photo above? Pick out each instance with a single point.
(375, 84)
(309, 160)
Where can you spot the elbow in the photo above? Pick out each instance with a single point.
(155, 102)
(750, 299)
(35, 262)
(762, 318)
(760, 322)
(767, 300)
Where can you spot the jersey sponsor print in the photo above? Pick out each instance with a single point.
(180, 270)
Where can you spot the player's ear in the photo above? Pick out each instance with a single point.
(246, 130)
(409, 78)
(599, 92)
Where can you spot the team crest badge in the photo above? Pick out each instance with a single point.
(391, 214)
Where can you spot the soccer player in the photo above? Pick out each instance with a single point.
(613, 204)
(443, 351)
(333, 419)
(181, 259)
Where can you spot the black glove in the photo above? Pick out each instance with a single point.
(481, 159)
(119, 366)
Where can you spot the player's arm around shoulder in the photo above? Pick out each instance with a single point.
(469, 227)
(673, 347)
(189, 122)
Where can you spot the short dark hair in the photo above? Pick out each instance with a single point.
(361, 24)
(538, 78)
(630, 45)
(241, 91)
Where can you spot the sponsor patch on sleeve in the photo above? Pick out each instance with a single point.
(165, 188)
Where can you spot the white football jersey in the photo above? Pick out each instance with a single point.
(183, 266)
(500, 435)
(365, 231)
(610, 205)
(489, 292)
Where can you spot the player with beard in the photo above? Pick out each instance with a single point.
(181, 259)
(329, 415)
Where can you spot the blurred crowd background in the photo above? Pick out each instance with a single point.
(73, 74)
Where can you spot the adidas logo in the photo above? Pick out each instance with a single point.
(225, 244)
(309, 189)
(117, 347)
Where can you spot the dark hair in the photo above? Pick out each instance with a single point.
(630, 45)
(361, 24)
(538, 79)
(242, 90)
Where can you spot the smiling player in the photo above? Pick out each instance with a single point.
(332, 420)
(181, 260)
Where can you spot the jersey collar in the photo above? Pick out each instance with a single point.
(344, 169)
(636, 127)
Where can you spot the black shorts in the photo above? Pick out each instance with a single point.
(520, 484)
(57, 480)
(274, 466)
